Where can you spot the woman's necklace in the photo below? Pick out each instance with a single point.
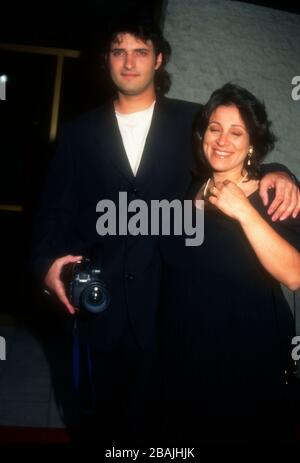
(208, 182)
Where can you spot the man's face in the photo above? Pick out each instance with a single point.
(132, 64)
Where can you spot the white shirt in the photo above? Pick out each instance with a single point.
(134, 128)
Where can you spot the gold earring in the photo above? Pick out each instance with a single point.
(250, 153)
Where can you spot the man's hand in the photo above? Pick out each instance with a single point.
(287, 195)
(54, 282)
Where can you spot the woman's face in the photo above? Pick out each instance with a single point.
(226, 140)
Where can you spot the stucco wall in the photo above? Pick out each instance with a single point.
(216, 41)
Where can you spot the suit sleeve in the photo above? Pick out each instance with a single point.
(289, 229)
(276, 167)
(54, 221)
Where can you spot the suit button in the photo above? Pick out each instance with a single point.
(133, 193)
(129, 276)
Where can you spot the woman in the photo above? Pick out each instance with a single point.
(227, 328)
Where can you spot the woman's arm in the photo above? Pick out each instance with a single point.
(277, 256)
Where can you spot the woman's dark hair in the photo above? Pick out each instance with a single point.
(143, 28)
(253, 113)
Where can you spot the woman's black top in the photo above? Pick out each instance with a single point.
(226, 333)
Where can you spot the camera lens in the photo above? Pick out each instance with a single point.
(95, 295)
(95, 298)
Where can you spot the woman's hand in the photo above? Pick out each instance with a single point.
(231, 200)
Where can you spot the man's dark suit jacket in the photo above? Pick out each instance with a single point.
(91, 164)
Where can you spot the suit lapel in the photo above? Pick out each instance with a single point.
(154, 150)
(109, 141)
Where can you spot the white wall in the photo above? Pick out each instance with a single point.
(216, 41)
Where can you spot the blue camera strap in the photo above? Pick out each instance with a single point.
(83, 373)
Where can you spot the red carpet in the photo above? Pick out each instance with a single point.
(9, 435)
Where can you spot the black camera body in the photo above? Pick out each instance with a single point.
(87, 291)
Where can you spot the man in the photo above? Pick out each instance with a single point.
(140, 143)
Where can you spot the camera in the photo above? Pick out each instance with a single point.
(87, 291)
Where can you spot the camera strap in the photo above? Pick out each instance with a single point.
(83, 373)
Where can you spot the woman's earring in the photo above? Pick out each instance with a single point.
(250, 153)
